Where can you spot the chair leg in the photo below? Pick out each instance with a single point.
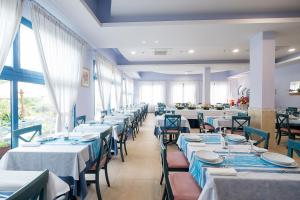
(106, 175)
(98, 187)
(162, 178)
(125, 148)
(121, 151)
(164, 197)
(279, 138)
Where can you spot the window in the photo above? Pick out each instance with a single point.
(218, 92)
(5, 116)
(129, 87)
(152, 92)
(183, 92)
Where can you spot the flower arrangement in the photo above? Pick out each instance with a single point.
(243, 100)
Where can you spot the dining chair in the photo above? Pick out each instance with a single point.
(176, 161)
(238, 124)
(80, 120)
(178, 185)
(36, 189)
(241, 114)
(172, 126)
(123, 138)
(291, 110)
(19, 134)
(257, 135)
(103, 113)
(293, 145)
(132, 126)
(283, 127)
(204, 125)
(101, 161)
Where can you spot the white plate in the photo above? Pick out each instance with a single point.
(236, 138)
(216, 162)
(88, 138)
(278, 158)
(208, 156)
(193, 138)
(293, 165)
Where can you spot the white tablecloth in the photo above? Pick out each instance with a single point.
(160, 120)
(14, 180)
(62, 160)
(193, 114)
(252, 186)
(97, 128)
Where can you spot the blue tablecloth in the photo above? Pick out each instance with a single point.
(240, 161)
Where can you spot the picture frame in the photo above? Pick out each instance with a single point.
(85, 77)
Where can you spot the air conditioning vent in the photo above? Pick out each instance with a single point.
(161, 52)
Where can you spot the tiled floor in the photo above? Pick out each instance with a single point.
(138, 177)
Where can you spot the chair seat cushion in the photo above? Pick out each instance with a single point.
(209, 127)
(293, 131)
(184, 186)
(176, 160)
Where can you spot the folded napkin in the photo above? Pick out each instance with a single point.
(222, 171)
(30, 144)
(197, 144)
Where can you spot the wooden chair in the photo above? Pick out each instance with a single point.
(36, 189)
(177, 162)
(80, 120)
(241, 114)
(17, 134)
(101, 161)
(178, 185)
(238, 124)
(283, 128)
(172, 126)
(293, 145)
(253, 133)
(291, 110)
(123, 138)
(203, 125)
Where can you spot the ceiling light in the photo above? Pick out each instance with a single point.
(292, 50)
(191, 51)
(235, 50)
(144, 42)
(133, 52)
(156, 41)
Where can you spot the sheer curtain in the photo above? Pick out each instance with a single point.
(10, 17)
(129, 91)
(218, 92)
(104, 72)
(152, 92)
(61, 54)
(117, 88)
(183, 92)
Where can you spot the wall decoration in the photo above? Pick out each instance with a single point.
(85, 77)
(294, 88)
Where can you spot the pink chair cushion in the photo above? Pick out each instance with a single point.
(293, 131)
(208, 127)
(184, 186)
(176, 159)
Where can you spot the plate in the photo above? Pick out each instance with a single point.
(193, 138)
(208, 156)
(293, 165)
(278, 158)
(216, 162)
(88, 138)
(235, 138)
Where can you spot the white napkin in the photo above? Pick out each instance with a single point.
(197, 144)
(222, 171)
(30, 144)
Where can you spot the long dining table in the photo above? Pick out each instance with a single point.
(254, 178)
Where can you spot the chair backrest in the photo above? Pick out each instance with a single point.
(105, 148)
(103, 113)
(241, 114)
(239, 122)
(80, 120)
(125, 131)
(201, 120)
(282, 121)
(293, 146)
(17, 134)
(36, 189)
(258, 135)
(291, 110)
(163, 154)
(172, 122)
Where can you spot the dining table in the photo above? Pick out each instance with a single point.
(12, 181)
(254, 177)
(66, 157)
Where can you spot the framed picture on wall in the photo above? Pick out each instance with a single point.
(294, 88)
(85, 77)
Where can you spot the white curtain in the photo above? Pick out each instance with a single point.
(117, 88)
(104, 72)
(218, 92)
(10, 17)
(61, 54)
(183, 92)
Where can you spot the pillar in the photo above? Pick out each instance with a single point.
(262, 86)
(206, 86)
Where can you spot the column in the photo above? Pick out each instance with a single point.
(206, 86)
(262, 86)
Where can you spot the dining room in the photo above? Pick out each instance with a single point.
(137, 99)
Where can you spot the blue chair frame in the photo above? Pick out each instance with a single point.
(263, 135)
(293, 145)
(241, 122)
(80, 120)
(172, 126)
(17, 134)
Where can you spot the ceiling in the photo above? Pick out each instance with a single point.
(212, 29)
